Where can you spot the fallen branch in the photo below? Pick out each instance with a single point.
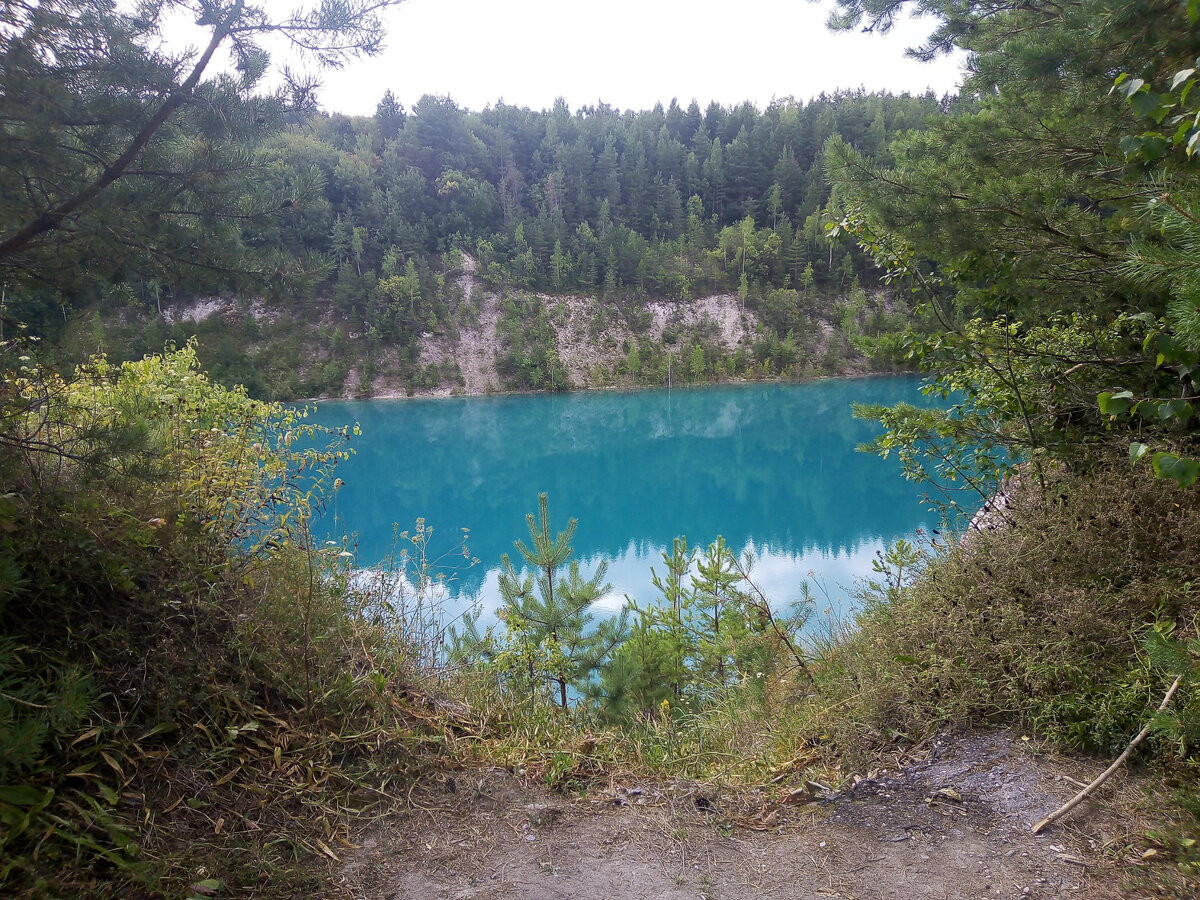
(1107, 773)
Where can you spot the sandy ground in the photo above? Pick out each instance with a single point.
(583, 353)
(590, 339)
(733, 323)
(475, 348)
(952, 825)
(198, 310)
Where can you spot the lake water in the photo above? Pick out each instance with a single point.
(772, 468)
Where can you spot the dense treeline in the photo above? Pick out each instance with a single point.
(377, 216)
(671, 203)
(665, 203)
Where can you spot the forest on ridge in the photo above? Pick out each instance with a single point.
(355, 228)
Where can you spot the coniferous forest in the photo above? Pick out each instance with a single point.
(366, 223)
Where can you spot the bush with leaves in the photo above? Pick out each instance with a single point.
(171, 641)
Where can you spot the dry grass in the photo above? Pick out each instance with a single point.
(1042, 622)
(176, 715)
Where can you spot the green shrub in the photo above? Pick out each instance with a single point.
(187, 685)
(1041, 622)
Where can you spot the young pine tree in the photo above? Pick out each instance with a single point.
(547, 612)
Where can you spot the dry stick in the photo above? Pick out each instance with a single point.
(1104, 776)
(764, 606)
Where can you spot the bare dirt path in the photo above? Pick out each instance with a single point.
(486, 834)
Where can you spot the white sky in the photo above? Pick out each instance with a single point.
(628, 53)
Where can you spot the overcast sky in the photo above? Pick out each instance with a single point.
(628, 53)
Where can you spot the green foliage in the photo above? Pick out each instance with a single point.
(165, 613)
(125, 163)
(139, 180)
(551, 643)
(173, 644)
(1159, 258)
(663, 643)
(630, 206)
(946, 449)
(1020, 242)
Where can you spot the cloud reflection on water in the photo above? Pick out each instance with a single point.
(771, 467)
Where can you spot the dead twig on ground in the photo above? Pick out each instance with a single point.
(1107, 773)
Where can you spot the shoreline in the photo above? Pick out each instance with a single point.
(443, 394)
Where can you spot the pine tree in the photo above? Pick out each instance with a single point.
(559, 639)
(716, 593)
(389, 114)
(673, 643)
(119, 157)
(1016, 237)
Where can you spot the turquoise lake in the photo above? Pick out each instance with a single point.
(772, 468)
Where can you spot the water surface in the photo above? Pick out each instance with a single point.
(772, 468)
